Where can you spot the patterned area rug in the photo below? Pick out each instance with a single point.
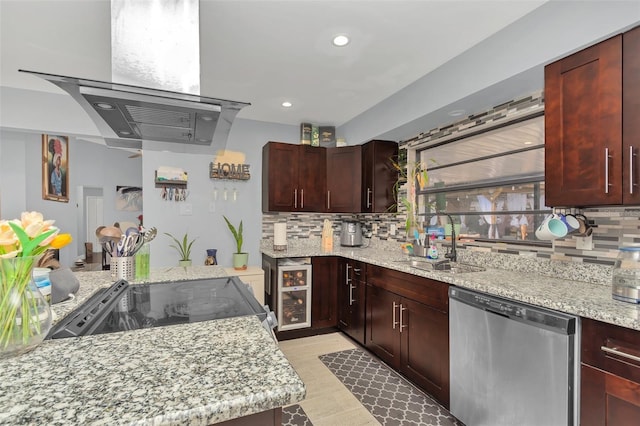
(391, 399)
(294, 415)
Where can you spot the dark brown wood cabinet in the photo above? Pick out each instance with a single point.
(351, 299)
(591, 145)
(344, 179)
(293, 178)
(324, 292)
(610, 375)
(378, 176)
(407, 326)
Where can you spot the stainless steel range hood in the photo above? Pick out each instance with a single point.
(154, 101)
(126, 115)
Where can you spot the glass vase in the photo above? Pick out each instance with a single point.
(25, 315)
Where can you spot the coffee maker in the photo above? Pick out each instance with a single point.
(351, 234)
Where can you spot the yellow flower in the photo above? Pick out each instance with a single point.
(30, 235)
(61, 240)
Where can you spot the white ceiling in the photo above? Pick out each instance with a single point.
(265, 52)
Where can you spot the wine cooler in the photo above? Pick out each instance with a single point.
(294, 293)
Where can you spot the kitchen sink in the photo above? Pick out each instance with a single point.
(440, 265)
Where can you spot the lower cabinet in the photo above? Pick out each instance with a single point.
(351, 299)
(610, 375)
(408, 327)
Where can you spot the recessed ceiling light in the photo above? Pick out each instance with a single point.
(528, 143)
(104, 105)
(456, 112)
(340, 40)
(124, 132)
(287, 104)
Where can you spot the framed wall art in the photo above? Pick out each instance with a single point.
(55, 168)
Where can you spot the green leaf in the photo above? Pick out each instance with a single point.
(28, 245)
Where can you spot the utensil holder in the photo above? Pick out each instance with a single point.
(123, 268)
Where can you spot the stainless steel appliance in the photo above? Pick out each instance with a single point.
(351, 234)
(123, 307)
(294, 293)
(512, 363)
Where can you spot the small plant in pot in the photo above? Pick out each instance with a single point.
(240, 259)
(183, 247)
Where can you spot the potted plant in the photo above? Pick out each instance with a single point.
(417, 178)
(183, 247)
(240, 259)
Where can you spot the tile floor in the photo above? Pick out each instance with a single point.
(328, 402)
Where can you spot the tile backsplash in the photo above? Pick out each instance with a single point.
(613, 227)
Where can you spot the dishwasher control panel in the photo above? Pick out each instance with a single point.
(541, 317)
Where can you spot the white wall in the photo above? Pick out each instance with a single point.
(246, 136)
(90, 164)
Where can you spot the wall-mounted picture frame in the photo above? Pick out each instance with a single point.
(55, 168)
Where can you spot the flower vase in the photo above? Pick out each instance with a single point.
(25, 315)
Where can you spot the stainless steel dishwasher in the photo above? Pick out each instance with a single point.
(512, 363)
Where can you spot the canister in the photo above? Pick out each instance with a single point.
(626, 275)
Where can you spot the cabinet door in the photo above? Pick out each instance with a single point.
(324, 292)
(378, 176)
(425, 348)
(383, 325)
(344, 179)
(279, 176)
(311, 179)
(583, 127)
(352, 300)
(631, 116)
(607, 399)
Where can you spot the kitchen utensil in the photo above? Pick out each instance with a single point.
(111, 231)
(150, 234)
(99, 232)
(416, 235)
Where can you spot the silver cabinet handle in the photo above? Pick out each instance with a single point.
(619, 353)
(395, 305)
(356, 271)
(606, 170)
(329, 200)
(347, 280)
(302, 198)
(631, 155)
(369, 192)
(295, 198)
(402, 309)
(351, 299)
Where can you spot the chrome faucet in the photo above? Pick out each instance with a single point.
(452, 254)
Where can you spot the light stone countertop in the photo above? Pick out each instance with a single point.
(574, 288)
(186, 374)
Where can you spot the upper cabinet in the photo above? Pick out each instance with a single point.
(344, 179)
(351, 179)
(591, 128)
(292, 178)
(378, 176)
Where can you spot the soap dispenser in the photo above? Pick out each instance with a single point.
(432, 252)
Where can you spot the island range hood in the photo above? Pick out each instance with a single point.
(125, 115)
(154, 100)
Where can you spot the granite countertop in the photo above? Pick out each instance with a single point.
(578, 289)
(196, 374)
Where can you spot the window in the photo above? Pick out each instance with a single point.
(491, 183)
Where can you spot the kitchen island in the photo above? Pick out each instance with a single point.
(197, 374)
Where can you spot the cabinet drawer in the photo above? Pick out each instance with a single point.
(424, 290)
(611, 348)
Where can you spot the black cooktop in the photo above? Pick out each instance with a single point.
(129, 307)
